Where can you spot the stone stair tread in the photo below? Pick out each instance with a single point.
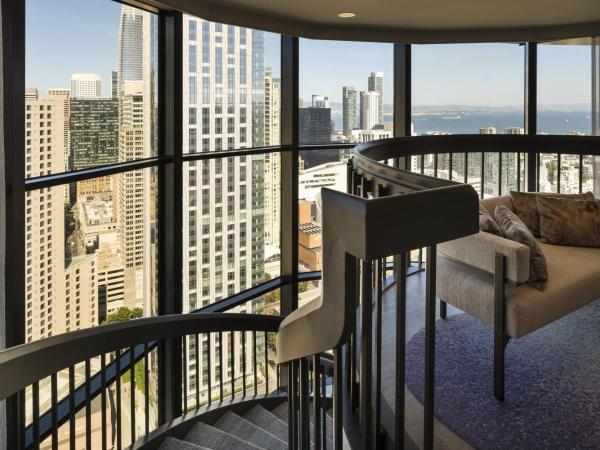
(265, 419)
(216, 439)
(170, 443)
(242, 428)
(281, 412)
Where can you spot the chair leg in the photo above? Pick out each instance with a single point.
(443, 309)
(500, 339)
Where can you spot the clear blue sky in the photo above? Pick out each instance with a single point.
(67, 36)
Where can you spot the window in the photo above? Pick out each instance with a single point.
(469, 89)
(342, 101)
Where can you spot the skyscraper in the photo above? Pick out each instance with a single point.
(349, 105)
(134, 89)
(272, 196)
(320, 101)
(369, 109)
(64, 95)
(55, 302)
(315, 125)
(376, 85)
(86, 85)
(224, 96)
(94, 131)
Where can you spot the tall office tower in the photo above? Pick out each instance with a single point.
(320, 101)
(31, 94)
(94, 130)
(134, 195)
(272, 197)
(349, 105)
(114, 84)
(51, 300)
(369, 109)
(64, 95)
(86, 85)
(224, 95)
(376, 85)
(487, 130)
(315, 125)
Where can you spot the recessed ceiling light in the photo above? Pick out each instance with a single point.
(346, 15)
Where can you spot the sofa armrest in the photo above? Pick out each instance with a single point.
(479, 250)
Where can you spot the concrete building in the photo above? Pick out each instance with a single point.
(376, 85)
(64, 94)
(315, 125)
(331, 175)
(487, 130)
(224, 108)
(86, 85)
(320, 101)
(349, 110)
(53, 304)
(272, 161)
(369, 109)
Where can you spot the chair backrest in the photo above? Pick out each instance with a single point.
(491, 203)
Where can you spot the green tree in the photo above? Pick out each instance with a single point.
(124, 314)
(552, 168)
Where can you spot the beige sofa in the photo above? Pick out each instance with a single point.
(484, 275)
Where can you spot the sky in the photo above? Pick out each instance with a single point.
(82, 37)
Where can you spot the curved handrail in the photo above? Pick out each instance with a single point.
(25, 364)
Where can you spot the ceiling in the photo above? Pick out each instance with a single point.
(414, 21)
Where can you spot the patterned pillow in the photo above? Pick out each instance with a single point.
(525, 205)
(514, 229)
(570, 222)
(487, 222)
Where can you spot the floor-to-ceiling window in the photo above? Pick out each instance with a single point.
(469, 89)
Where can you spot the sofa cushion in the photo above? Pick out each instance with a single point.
(573, 282)
(525, 205)
(487, 222)
(569, 222)
(514, 229)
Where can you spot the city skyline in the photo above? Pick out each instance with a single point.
(49, 67)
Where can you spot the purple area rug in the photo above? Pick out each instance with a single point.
(552, 398)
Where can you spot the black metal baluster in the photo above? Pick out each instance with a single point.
(35, 400)
(244, 363)
(103, 399)
(466, 174)
(146, 391)
(278, 375)
(366, 357)
(323, 409)
(221, 365)
(500, 158)
(450, 161)
(430, 303)
(400, 349)
(198, 374)
(72, 408)
(518, 171)
(266, 364)
(184, 372)
(53, 401)
(379, 273)
(132, 394)
(482, 175)
(118, 396)
(208, 364)
(254, 362)
(422, 164)
(338, 442)
(580, 174)
(317, 400)
(232, 340)
(304, 408)
(435, 165)
(292, 424)
(88, 407)
(558, 172)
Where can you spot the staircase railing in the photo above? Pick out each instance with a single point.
(388, 216)
(102, 355)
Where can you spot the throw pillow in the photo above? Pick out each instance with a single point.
(525, 205)
(569, 222)
(514, 229)
(487, 222)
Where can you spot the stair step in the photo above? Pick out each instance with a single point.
(170, 443)
(281, 412)
(265, 419)
(242, 428)
(215, 439)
